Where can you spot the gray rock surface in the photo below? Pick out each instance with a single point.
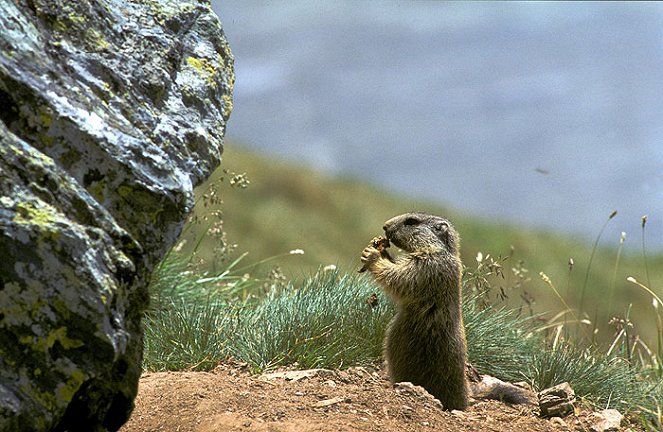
(557, 401)
(110, 113)
(607, 420)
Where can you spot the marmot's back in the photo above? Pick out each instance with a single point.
(425, 342)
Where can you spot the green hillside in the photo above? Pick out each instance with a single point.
(288, 207)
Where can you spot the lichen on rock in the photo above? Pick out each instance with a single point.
(106, 126)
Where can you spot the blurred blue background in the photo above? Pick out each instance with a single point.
(542, 114)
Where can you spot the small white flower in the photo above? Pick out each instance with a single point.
(296, 252)
(178, 247)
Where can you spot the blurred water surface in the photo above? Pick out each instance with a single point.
(543, 114)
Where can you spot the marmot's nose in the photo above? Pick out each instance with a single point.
(384, 227)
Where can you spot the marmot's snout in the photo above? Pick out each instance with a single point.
(391, 225)
(388, 228)
(393, 230)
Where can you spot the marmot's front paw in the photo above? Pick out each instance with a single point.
(378, 244)
(368, 256)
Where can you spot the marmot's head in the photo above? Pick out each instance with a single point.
(419, 231)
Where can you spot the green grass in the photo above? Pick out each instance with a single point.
(325, 322)
(499, 342)
(185, 336)
(608, 382)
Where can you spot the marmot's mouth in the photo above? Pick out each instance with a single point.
(396, 242)
(391, 233)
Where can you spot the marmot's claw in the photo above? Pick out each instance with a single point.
(368, 256)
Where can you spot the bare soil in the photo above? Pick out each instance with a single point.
(232, 399)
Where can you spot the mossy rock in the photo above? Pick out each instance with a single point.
(105, 129)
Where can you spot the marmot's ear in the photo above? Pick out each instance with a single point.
(442, 231)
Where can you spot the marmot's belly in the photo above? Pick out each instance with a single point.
(433, 358)
(421, 353)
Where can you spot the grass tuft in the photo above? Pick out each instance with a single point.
(605, 382)
(330, 321)
(184, 336)
(499, 341)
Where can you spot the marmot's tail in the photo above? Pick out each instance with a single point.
(488, 387)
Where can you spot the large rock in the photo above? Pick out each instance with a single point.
(111, 111)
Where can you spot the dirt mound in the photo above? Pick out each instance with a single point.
(231, 399)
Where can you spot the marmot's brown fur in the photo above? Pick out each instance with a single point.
(425, 342)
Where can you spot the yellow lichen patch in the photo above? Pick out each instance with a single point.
(28, 213)
(45, 115)
(206, 68)
(97, 190)
(46, 120)
(44, 217)
(60, 27)
(58, 335)
(62, 308)
(159, 11)
(46, 398)
(65, 392)
(77, 19)
(230, 73)
(47, 140)
(37, 156)
(227, 104)
(124, 191)
(95, 40)
(38, 304)
(26, 340)
(70, 21)
(196, 63)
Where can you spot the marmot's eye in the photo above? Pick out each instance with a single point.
(410, 221)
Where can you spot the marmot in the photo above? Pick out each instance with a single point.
(425, 342)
